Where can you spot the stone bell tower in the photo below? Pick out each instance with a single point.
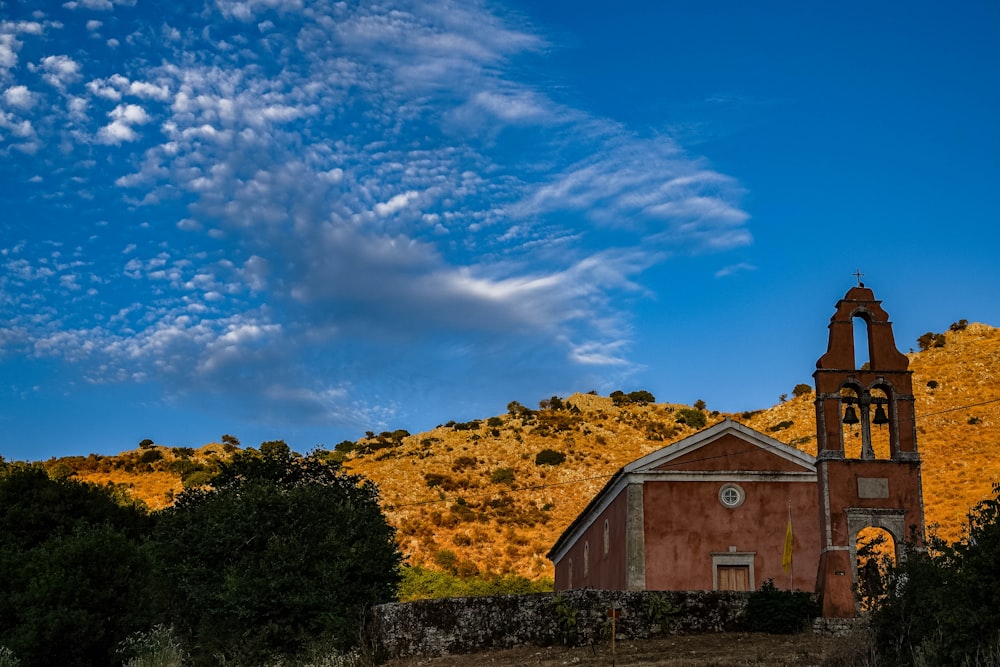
(857, 488)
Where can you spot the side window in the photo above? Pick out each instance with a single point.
(586, 558)
(607, 537)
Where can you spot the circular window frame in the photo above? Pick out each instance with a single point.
(741, 496)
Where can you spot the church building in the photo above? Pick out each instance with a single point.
(729, 507)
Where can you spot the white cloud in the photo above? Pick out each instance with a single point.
(120, 129)
(734, 268)
(19, 97)
(397, 203)
(59, 71)
(356, 181)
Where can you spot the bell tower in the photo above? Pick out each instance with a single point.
(862, 487)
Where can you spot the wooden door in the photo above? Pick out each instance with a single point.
(734, 578)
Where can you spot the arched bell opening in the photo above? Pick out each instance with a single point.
(850, 424)
(875, 556)
(879, 405)
(862, 341)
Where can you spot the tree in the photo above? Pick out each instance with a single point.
(801, 389)
(931, 339)
(699, 404)
(691, 417)
(281, 550)
(943, 603)
(74, 574)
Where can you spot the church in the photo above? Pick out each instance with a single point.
(729, 507)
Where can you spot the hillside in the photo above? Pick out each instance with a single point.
(470, 497)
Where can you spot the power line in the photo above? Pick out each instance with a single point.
(961, 407)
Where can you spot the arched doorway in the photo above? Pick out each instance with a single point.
(875, 556)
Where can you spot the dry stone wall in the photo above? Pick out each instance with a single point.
(582, 617)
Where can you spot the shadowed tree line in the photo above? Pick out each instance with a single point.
(280, 554)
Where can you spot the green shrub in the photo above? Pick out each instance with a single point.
(150, 456)
(779, 612)
(345, 446)
(780, 426)
(801, 389)
(420, 583)
(7, 658)
(930, 340)
(502, 476)
(691, 417)
(158, 647)
(549, 457)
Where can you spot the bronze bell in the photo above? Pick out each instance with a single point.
(880, 416)
(851, 415)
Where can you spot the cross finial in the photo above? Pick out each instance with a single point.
(857, 274)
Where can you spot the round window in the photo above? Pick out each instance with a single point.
(731, 495)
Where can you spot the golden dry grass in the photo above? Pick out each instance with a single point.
(508, 526)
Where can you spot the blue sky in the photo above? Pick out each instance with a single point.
(305, 219)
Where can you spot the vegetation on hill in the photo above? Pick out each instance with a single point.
(484, 500)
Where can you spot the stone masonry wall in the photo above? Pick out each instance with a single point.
(579, 617)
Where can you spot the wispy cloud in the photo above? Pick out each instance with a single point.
(356, 187)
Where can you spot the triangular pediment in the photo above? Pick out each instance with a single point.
(726, 446)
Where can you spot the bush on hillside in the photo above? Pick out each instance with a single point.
(691, 417)
(930, 340)
(549, 457)
(801, 389)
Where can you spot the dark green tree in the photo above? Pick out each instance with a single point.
(691, 417)
(943, 603)
(801, 389)
(74, 573)
(279, 552)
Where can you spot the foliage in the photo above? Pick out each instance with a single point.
(930, 340)
(280, 550)
(699, 404)
(780, 426)
(74, 573)
(567, 616)
(157, 647)
(420, 583)
(554, 403)
(776, 611)
(959, 326)
(345, 446)
(660, 610)
(502, 476)
(801, 389)
(691, 417)
(942, 604)
(7, 658)
(641, 397)
(515, 409)
(549, 457)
